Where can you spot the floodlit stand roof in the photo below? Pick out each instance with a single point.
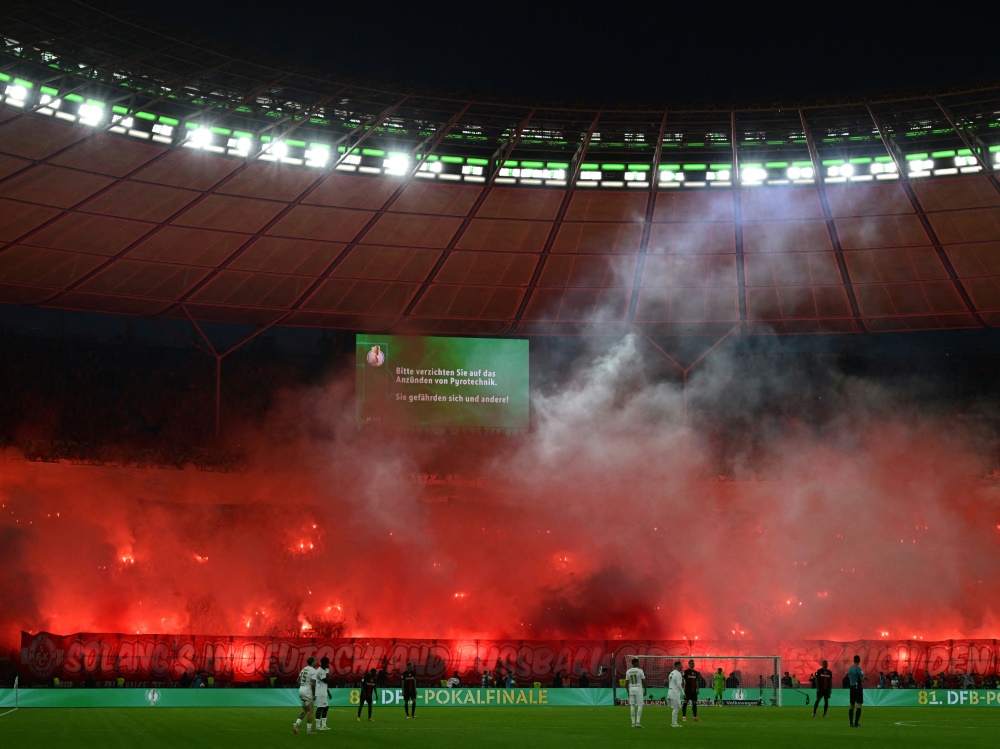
(146, 175)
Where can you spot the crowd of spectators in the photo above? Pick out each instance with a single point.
(129, 404)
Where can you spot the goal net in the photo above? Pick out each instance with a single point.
(749, 679)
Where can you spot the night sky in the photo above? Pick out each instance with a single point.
(643, 52)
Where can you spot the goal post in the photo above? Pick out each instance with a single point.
(750, 679)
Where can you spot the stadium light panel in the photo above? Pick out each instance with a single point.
(90, 114)
(317, 156)
(201, 137)
(17, 93)
(800, 172)
(397, 163)
(278, 149)
(754, 174)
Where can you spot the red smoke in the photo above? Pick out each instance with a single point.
(607, 520)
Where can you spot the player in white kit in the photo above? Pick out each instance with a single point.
(675, 692)
(635, 680)
(307, 695)
(322, 695)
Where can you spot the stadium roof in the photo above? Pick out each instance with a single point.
(143, 173)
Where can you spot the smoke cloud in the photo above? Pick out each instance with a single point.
(757, 504)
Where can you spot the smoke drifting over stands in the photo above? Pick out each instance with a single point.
(793, 491)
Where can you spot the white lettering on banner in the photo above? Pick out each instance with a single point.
(390, 696)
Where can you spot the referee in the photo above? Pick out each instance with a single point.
(856, 677)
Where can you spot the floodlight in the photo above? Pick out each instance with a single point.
(397, 163)
(883, 168)
(201, 137)
(90, 114)
(434, 166)
(668, 176)
(279, 149)
(50, 101)
(17, 93)
(317, 156)
(800, 172)
(921, 165)
(754, 174)
(241, 145)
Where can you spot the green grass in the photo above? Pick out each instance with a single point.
(512, 728)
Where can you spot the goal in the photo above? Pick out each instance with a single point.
(750, 679)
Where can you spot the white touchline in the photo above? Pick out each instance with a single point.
(8, 712)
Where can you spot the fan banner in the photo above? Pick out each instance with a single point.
(168, 659)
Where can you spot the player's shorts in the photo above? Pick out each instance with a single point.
(307, 700)
(718, 692)
(688, 697)
(674, 702)
(322, 698)
(857, 695)
(821, 693)
(635, 696)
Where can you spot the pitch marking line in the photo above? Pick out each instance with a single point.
(8, 712)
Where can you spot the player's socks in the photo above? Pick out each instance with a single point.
(857, 718)
(638, 714)
(851, 715)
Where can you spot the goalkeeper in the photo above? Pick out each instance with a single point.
(719, 685)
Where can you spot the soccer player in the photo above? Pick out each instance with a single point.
(857, 678)
(307, 695)
(824, 683)
(675, 688)
(691, 679)
(322, 695)
(719, 685)
(635, 680)
(410, 690)
(367, 693)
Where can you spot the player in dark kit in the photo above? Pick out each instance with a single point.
(410, 690)
(691, 680)
(824, 683)
(367, 693)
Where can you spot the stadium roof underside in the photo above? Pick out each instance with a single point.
(147, 175)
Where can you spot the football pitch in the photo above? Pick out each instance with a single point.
(513, 728)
